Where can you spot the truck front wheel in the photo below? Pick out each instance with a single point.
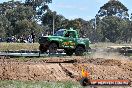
(79, 51)
(53, 48)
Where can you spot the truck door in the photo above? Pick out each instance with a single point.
(69, 39)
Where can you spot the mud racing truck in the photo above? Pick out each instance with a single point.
(67, 39)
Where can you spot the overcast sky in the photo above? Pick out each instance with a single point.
(86, 9)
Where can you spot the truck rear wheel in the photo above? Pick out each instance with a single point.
(42, 49)
(79, 51)
(53, 48)
(69, 52)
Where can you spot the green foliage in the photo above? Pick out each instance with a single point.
(22, 27)
(2, 31)
(38, 84)
(38, 5)
(4, 25)
(18, 18)
(9, 5)
(75, 24)
(21, 20)
(131, 17)
(113, 22)
(20, 13)
(84, 27)
(49, 16)
(113, 28)
(114, 7)
(112, 31)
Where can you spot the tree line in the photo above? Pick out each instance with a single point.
(112, 23)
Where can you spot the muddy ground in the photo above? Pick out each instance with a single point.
(64, 68)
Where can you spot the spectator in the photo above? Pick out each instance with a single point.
(21, 39)
(47, 33)
(1, 40)
(33, 36)
(8, 40)
(29, 39)
(13, 39)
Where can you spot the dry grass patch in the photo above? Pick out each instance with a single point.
(18, 46)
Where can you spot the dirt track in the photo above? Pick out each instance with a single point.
(56, 69)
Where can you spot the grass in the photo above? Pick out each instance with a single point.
(42, 84)
(37, 84)
(18, 46)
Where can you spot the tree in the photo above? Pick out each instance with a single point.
(4, 26)
(20, 13)
(49, 16)
(127, 31)
(114, 28)
(9, 5)
(131, 17)
(113, 8)
(96, 26)
(75, 24)
(22, 27)
(112, 22)
(82, 26)
(39, 6)
(65, 23)
(2, 31)
(17, 18)
(26, 27)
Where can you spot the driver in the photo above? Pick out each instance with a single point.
(67, 34)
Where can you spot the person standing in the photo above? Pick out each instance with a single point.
(33, 36)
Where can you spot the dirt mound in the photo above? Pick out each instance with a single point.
(40, 70)
(64, 69)
(17, 71)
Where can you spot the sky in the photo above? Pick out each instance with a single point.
(86, 9)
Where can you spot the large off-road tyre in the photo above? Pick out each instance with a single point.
(85, 82)
(53, 48)
(69, 52)
(79, 51)
(42, 49)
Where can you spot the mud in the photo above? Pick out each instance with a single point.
(64, 69)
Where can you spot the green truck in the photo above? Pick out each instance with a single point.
(67, 39)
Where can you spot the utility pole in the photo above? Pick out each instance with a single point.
(53, 22)
(95, 23)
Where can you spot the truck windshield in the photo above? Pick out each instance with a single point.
(59, 33)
